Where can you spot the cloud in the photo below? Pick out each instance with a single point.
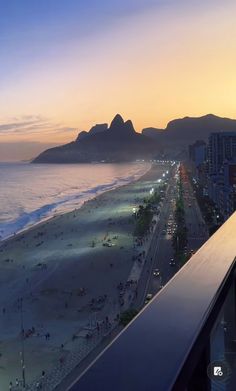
(24, 137)
(34, 125)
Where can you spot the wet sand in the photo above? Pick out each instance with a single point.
(66, 271)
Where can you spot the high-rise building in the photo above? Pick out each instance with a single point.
(222, 171)
(221, 148)
(197, 156)
(197, 152)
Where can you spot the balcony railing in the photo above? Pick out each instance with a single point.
(189, 324)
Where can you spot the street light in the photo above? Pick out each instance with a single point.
(152, 191)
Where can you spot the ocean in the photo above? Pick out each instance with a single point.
(31, 193)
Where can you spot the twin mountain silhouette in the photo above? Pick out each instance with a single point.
(120, 142)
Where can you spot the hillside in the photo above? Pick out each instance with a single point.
(120, 142)
(187, 130)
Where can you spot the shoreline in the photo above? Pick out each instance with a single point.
(48, 218)
(67, 270)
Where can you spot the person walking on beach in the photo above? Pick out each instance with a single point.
(61, 360)
(38, 386)
(43, 374)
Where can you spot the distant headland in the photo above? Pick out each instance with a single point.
(119, 142)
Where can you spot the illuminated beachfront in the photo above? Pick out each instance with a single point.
(110, 112)
(61, 279)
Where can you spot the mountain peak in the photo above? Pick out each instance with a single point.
(117, 121)
(81, 135)
(129, 126)
(120, 128)
(98, 128)
(210, 115)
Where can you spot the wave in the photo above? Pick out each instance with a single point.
(61, 205)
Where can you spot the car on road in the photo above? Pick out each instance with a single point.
(107, 244)
(156, 272)
(148, 297)
(172, 262)
(163, 232)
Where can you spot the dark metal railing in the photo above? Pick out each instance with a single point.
(170, 344)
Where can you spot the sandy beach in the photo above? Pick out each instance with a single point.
(66, 277)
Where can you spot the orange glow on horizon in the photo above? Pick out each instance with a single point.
(151, 69)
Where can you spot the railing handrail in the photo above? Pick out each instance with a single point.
(154, 349)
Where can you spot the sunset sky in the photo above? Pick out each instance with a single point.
(68, 64)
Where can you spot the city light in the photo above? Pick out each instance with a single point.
(152, 191)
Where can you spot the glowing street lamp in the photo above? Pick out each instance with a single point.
(151, 191)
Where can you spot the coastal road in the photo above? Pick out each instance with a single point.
(161, 251)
